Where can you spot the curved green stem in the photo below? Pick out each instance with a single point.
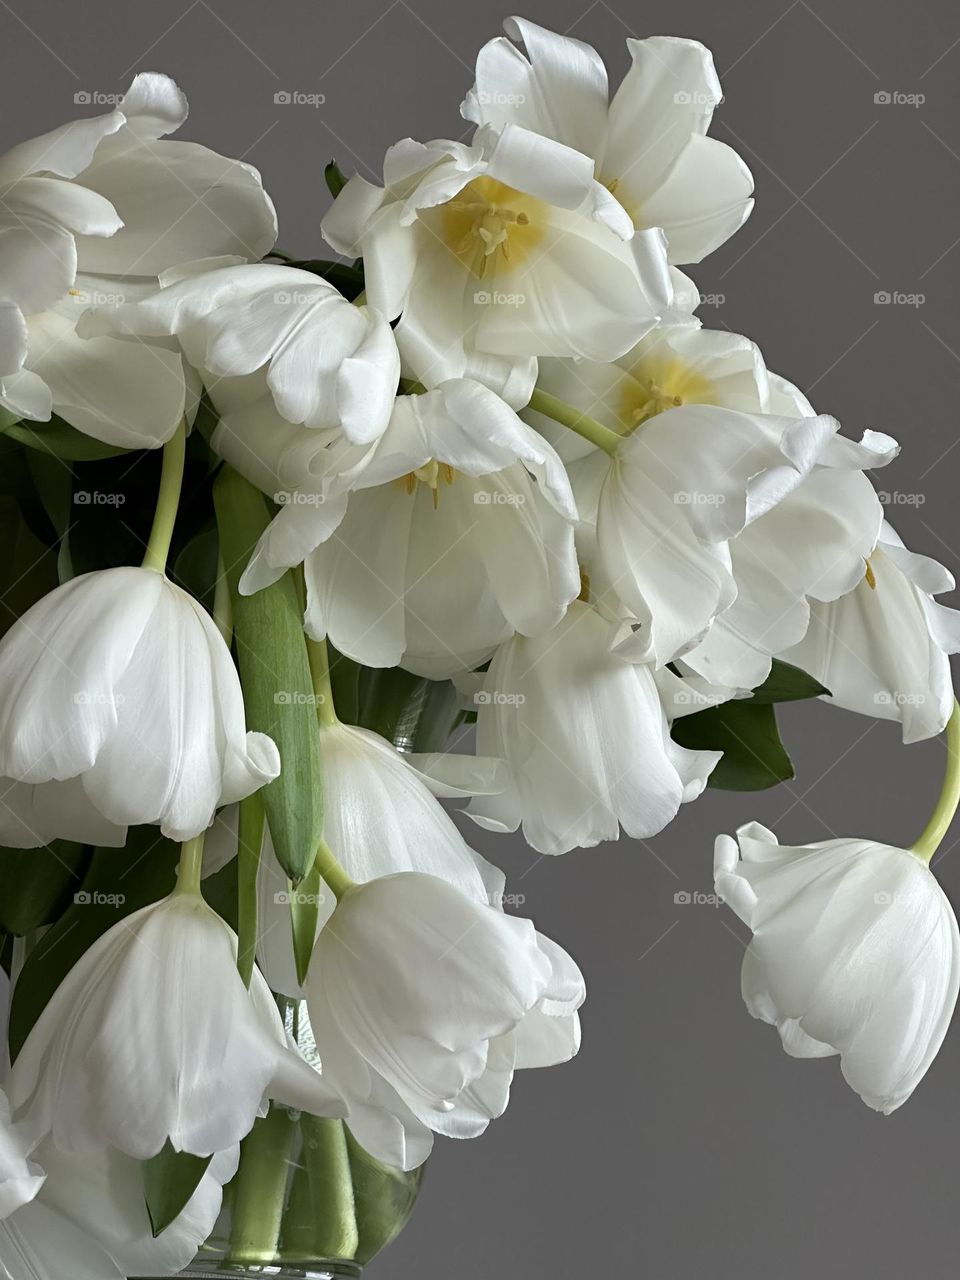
(938, 826)
(332, 872)
(320, 674)
(190, 867)
(570, 416)
(168, 499)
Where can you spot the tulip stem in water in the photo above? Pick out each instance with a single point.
(322, 688)
(570, 416)
(928, 843)
(260, 1190)
(168, 499)
(190, 868)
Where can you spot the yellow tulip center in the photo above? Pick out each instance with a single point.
(430, 474)
(656, 383)
(491, 227)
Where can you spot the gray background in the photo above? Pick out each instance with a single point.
(682, 1142)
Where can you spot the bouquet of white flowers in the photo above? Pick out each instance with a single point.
(276, 529)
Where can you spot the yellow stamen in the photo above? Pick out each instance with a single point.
(490, 227)
(870, 576)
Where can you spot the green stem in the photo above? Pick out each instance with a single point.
(332, 872)
(190, 867)
(569, 416)
(249, 842)
(321, 1221)
(260, 1188)
(168, 499)
(938, 826)
(223, 604)
(320, 674)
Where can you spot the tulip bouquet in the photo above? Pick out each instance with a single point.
(276, 529)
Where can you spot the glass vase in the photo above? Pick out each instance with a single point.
(307, 1201)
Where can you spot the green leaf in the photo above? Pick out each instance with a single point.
(787, 683)
(169, 1180)
(60, 440)
(117, 883)
(275, 674)
(746, 732)
(304, 914)
(334, 177)
(383, 1199)
(38, 885)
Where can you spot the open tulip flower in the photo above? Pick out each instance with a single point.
(282, 531)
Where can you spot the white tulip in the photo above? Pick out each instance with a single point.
(381, 815)
(586, 738)
(497, 252)
(97, 210)
(855, 952)
(423, 1003)
(882, 649)
(451, 533)
(806, 551)
(675, 364)
(20, 1178)
(648, 144)
(327, 363)
(676, 493)
(120, 679)
(809, 545)
(152, 1037)
(102, 1194)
